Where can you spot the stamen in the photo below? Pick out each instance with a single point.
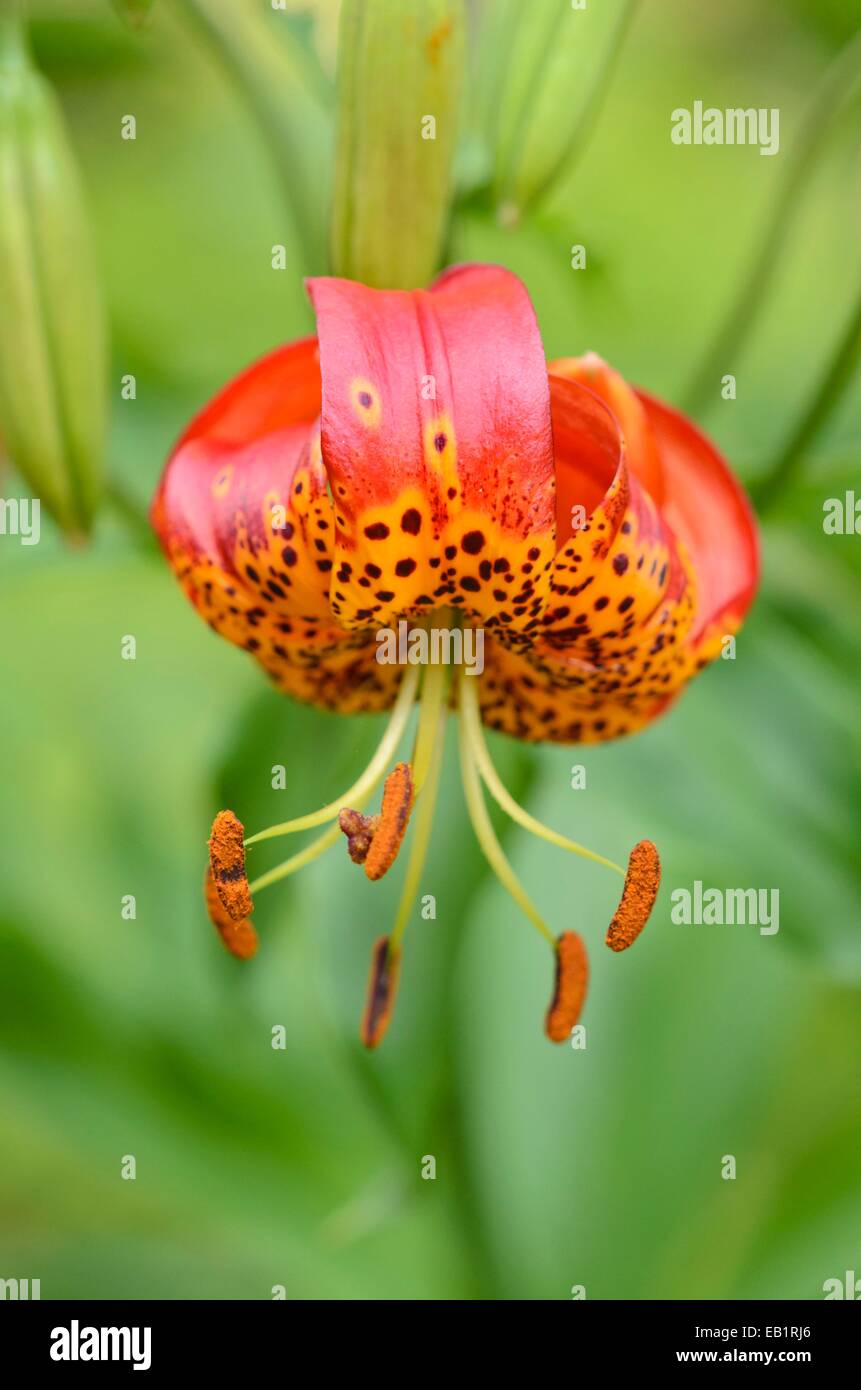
(569, 995)
(375, 840)
(227, 861)
(421, 833)
(382, 986)
(240, 938)
(372, 775)
(642, 882)
(483, 828)
(363, 788)
(472, 717)
(393, 821)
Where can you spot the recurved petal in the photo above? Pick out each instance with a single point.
(699, 496)
(709, 511)
(612, 647)
(640, 447)
(437, 443)
(244, 515)
(620, 567)
(282, 388)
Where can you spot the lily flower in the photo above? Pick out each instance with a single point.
(418, 460)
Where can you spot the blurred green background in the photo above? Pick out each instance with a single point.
(301, 1167)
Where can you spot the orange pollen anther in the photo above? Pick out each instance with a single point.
(240, 938)
(392, 822)
(227, 861)
(382, 987)
(569, 996)
(642, 882)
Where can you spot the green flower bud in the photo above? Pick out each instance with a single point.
(399, 76)
(52, 327)
(560, 57)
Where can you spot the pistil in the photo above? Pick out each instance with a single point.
(484, 832)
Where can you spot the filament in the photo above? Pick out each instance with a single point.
(297, 861)
(484, 831)
(471, 723)
(422, 824)
(370, 778)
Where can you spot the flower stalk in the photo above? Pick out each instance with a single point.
(399, 82)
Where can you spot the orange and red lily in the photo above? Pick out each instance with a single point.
(419, 460)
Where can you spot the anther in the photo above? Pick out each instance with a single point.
(382, 986)
(642, 882)
(240, 938)
(359, 831)
(569, 996)
(393, 820)
(227, 861)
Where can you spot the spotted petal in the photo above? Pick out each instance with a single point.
(244, 515)
(437, 442)
(613, 646)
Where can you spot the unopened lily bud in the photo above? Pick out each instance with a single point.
(52, 326)
(561, 56)
(399, 78)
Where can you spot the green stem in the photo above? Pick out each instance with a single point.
(835, 88)
(833, 384)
